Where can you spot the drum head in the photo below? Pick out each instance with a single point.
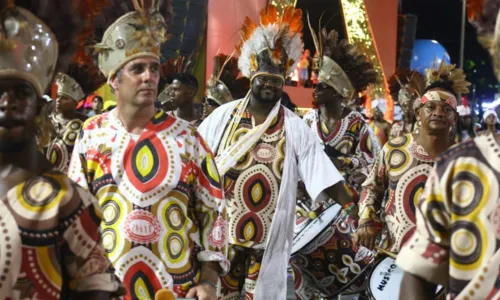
(315, 227)
(385, 280)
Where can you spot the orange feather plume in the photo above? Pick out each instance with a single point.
(264, 20)
(272, 14)
(296, 24)
(287, 14)
(474, 8)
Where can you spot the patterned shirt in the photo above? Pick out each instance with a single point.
(456, 243)
(379, 133)
(349, 142)
(400, 129)
(49, 240)
(401, 171)
(161, 199)
(252, 186)
(64, 134)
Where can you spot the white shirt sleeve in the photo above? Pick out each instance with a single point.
(316, 170)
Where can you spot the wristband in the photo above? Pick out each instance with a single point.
(207, 282)
(347, 205)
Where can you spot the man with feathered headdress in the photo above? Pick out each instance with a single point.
(262, 150)
(345, 137)
(49, 226)
(405, 162)
(72, 86)
(156, 180)
(405, 86)
(456, 242)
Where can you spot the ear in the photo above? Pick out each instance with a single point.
(191, 92)
(114, 83)
(417, 113)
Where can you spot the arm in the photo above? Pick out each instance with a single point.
(362, 160)
(416, 288)
(77, 170)
(374, 188)
(83, 257)
(209, 210)
(426, 254)
(370, 202)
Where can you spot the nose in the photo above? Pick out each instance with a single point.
(438, 111)
(149, 75)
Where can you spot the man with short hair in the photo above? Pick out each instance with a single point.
(404, 164)
(182, 90)
(263, 150)
(49, 226)
(156, 180)
(97, 104)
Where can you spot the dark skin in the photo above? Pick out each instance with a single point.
(97, 105)
(437, 118)
(182, 97)
(408, 112)
(266, 91)
(331, 112)
(19, 106)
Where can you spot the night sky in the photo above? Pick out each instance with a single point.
(439, 20)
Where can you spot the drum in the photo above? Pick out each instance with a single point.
(385, 281)
(324, 260)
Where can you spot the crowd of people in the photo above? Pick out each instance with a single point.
(225, 199)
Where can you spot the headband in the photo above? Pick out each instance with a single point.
(442, 96)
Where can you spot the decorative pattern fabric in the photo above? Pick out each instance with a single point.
(64, 135)
(245, 267)
(49, 233)
(400, 172)
(331, 262)
(251, 187)
(399, 129)
(349, 142)
(161, 198)
(379, 133)
(304, 160)
(457, 238)
(442, 96)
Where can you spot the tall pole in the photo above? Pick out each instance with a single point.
(462, 34)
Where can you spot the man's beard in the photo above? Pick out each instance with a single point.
(257, 95)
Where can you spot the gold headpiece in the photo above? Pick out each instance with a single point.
(340, 64)
(272, 47)
(448, 73)
(139, 33)
(67, 86)
(217, 90)
(28, 48)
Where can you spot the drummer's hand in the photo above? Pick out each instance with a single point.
(354, 213)
(202, 292)
(366, 235)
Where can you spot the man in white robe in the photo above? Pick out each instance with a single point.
(262, 150)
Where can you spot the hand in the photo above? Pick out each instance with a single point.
(202, 292)
(354, 213)
(367, 235)
(358, 178)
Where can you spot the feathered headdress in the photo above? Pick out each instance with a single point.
(38, 57)
(274, 46)
(139, 29)
(406, 85)
(217, 89)
(340, 64)
(79, 81)
(448, 73)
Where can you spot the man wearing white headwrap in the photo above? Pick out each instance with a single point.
(379, 126)
(401, 170)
